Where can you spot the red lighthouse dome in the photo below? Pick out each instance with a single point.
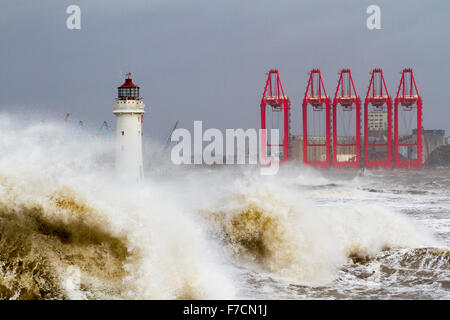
(128, 91)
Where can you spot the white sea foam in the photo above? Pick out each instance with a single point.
(180, 234)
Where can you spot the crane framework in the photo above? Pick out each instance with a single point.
(274, 97)
(316, 98)
(350, 103)
(378, 97)
(169, 136)
(378, 147)
(409, 99)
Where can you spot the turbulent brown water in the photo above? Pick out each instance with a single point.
(40, 241)
(68, 230)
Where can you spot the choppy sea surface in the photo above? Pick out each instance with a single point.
(69, 230)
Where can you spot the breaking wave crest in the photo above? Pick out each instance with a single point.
(68, 230)
(272, 228)
(42, 241)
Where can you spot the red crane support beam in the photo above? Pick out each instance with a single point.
(350, 102)
(381, 101)
(408, 97)
(316, 97)
(275, 98)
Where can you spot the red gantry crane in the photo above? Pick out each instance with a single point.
(346, 137)
(409, 99)
(377, 123)
(316, 152)
(274, 97)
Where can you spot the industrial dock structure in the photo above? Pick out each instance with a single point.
(346, 132)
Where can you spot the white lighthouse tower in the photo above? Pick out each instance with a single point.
(129, 109)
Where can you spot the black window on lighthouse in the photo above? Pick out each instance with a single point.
(128, 90)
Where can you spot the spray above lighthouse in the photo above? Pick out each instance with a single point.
(129, 109)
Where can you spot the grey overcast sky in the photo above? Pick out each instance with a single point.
(206, 59)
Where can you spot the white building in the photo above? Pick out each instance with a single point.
(377, 120)
(129, 109)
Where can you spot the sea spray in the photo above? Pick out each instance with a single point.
(69, 230)
(270, 226)
(64, 210)
(41, 240)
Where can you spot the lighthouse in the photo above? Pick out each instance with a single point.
(129, 110)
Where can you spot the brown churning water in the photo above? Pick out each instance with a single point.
(69, 231)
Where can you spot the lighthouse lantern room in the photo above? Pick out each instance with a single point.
(129, 110)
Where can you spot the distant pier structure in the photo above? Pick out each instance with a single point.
(129, 110)
(435, 148)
